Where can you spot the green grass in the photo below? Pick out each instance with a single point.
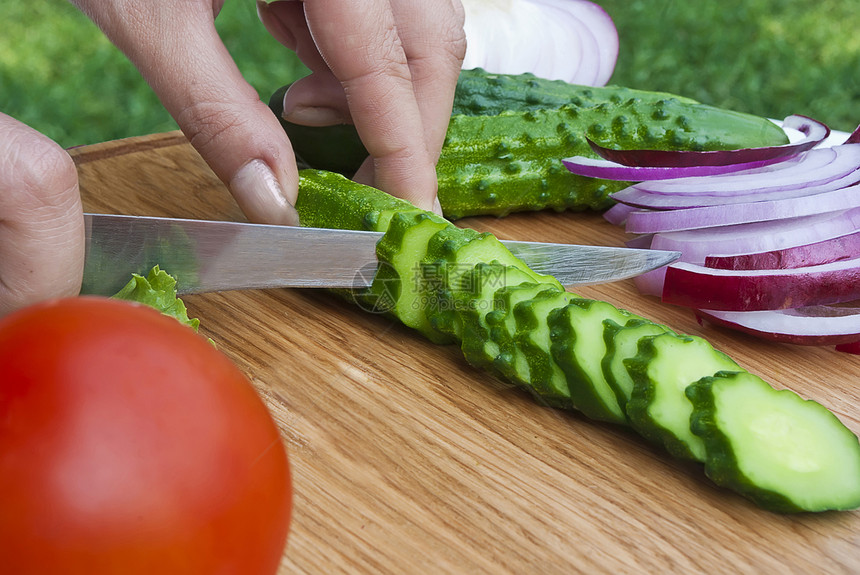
(60, 75)
(768, 57)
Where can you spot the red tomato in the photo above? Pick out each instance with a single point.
(130, 444)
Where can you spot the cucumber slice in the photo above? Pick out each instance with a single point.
(472, 307)
(532, 338)
(661, 370)
(402, 247)
(511, 362)
(783, 452)
(578, 348)
(447, 268)
(622, 342)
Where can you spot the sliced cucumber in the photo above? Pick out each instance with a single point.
(782, 452)
(473, 306)
(401, 248)
(511, 361)
(785, 453)
(532, 338)
(661, 370)
(578, 349)
(622, 342)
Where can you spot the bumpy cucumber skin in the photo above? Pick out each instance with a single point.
(533, 339)
(511, 360)
(619, 348)
(512, 161)
(474, 304)
(405, 288)
(480, 93)
(330, 200)
(723, 466)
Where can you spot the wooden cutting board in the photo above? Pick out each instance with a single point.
(407, 460)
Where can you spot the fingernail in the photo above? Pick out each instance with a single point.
(312, 115)
(261, 197)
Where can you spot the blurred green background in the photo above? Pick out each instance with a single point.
(768, 57)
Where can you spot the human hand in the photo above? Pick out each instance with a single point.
(178, 51)
(41, 219)
(396, 59)
(388, 66)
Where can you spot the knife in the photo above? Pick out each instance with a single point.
(207, 256)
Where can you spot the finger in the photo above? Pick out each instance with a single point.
(361, 46)
(41, 220)
(435, 45)
(177, 49)
(317, 99)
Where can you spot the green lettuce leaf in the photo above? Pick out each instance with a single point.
(158, 290)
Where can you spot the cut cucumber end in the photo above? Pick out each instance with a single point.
(785, 453)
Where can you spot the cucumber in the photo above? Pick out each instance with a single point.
(512, 161)
(511, 362)
(785, 453)
(575, 353)
(402, 278)
(447, 268)
(532, 339)
(622, 343)
(329, 200)
(474, 304)
(661, 370)
(578, 348)
(480, 93)
(508, 135)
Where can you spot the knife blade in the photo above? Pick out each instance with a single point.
(207, 256)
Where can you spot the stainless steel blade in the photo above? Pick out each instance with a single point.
(573, 264)
(209, 256)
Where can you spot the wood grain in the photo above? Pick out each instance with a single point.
(407, 460)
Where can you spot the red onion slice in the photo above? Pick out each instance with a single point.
(699, 287)
(849, 347)
(617, 214)
(733, 241)
(816, 325)
(816, 167)
(817, 253)
(651, 283)
(606, 170)
(815, 133)
(636, 197)
(854, 137)
(646, 222)
(696, 246)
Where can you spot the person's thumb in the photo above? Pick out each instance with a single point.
(41, 219)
